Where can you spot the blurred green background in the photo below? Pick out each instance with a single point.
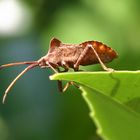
(34, 109)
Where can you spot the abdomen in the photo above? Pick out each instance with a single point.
(105, 53)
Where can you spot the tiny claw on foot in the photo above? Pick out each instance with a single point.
(109, 69)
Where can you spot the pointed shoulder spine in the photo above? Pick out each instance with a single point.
(54, 43)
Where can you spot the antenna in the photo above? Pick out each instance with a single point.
(17, 63)
(32, 65)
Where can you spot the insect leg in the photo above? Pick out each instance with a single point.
(51, 67)
(59, 82)
(69, 84)
(82, 55)
(65, 66)
(60, 87)
(76, 66)
(100, 61)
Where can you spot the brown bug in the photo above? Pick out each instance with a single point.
(68, 56)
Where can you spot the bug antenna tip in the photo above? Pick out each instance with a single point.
(4, 97)
(3, 100)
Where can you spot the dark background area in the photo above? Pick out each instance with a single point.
(34, 109)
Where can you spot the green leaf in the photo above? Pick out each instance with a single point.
(113, 99)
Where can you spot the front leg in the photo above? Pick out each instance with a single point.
(50, 65)
(59, 82)
(60, 87)
(66, 68)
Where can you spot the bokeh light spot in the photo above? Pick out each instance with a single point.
(12, 16)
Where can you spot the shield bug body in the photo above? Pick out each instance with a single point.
(68, 56)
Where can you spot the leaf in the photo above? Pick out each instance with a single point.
(113, 99)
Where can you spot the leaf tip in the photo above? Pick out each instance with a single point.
(51, 77)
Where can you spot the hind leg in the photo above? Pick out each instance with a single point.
(84, 53)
